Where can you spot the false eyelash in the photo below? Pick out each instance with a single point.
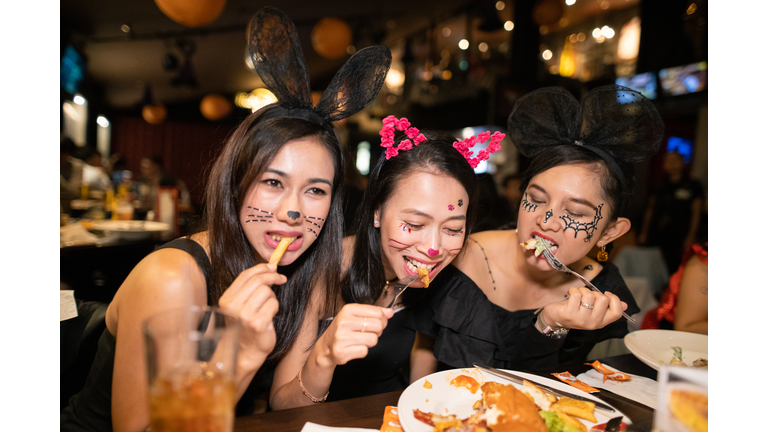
(588, 227)
(527, 205)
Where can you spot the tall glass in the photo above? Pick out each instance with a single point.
(191, 360)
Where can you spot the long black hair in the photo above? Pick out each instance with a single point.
(246, 155)
(364, 281)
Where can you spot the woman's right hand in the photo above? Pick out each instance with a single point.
(250, 297)
(355, 329)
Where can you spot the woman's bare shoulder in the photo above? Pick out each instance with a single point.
(163, 279)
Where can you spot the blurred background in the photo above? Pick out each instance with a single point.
(150, 90)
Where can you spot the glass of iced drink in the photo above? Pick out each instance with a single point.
(191, 359)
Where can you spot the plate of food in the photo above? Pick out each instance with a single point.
(464, 399)
(668, 347)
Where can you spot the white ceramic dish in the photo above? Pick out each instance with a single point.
(654, 347)
(443, 398)
(131, 229)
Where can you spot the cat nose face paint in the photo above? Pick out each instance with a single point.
(433, 253)
(293, 215)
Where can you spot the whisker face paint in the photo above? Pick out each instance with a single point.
(309, 219)
(260, 218)
(527, 205)
(402, 246)
(588, 227)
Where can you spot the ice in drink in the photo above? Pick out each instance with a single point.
(198, 399)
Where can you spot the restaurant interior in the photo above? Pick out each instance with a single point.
(151, 90)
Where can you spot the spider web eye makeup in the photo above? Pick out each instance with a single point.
(548, 215)
(260, 218)
(588, 227)
(527, 205)
(461, 202)
(309, 219)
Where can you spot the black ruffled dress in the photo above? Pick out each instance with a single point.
(468, 328)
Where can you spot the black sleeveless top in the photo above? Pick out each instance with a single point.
(467, 327)
(91, 409)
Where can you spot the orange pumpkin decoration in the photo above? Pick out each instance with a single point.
(331, 37)
(154, 114)
(215, 107)
(192, 13)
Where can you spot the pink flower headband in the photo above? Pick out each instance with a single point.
(388, 141)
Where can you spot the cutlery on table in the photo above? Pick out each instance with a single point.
(519, 380)
(613, 424)
(559, 266)
(400, 286)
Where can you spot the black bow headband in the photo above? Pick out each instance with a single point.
(615, 122)
(276, 54)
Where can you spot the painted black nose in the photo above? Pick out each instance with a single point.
(293, 215)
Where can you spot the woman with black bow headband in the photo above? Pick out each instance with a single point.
(279, 175)
(504, 305)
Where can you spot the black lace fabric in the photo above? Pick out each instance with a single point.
(277, 56)
(614, 119)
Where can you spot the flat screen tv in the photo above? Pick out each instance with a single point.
(682, 80)
(72, 70)
(645, 83)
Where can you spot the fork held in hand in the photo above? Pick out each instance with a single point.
(557, 265)
(402, 284)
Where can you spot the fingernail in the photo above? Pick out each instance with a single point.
(272, 266)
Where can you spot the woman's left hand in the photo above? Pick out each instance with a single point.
(584, 310)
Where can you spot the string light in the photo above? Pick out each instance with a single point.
(463, 44)
(509, 25)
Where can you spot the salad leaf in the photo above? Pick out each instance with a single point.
(677, 353)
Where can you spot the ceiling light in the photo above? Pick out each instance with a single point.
(79, 100)
(463, 44)
(509, 25)
(102, 121)
(596, 33)
(546, 55)
(570, 2)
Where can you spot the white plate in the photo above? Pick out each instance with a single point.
(444, 399)
(653, 347)
(131, 229)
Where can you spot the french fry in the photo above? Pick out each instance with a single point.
(280, 250)
(576, 408)
(571, 421)
(424, 273)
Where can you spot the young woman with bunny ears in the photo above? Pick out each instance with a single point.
(504, 305)
(279, 175)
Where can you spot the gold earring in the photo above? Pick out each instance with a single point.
(602, 255)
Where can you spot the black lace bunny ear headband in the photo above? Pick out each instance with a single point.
(615, 122)
(277, 56)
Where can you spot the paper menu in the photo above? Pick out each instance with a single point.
(68, 306)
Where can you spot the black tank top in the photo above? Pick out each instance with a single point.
(91, 408)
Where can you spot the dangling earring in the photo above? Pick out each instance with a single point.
(602, 255)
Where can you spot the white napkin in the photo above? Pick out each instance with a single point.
(314, 427)
(639, 389)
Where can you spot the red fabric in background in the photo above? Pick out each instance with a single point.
(188, 149)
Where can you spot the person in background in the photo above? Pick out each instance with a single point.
(94, 173)
(153, 176)
(672, 218)
(70, 174)
(501, 303)
(684, 304)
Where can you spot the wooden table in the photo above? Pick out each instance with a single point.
(367, 412)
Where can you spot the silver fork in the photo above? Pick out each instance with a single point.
(402, 284)
(557, 265)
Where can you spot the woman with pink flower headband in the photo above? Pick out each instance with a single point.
(417, 212)
(501, 303)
